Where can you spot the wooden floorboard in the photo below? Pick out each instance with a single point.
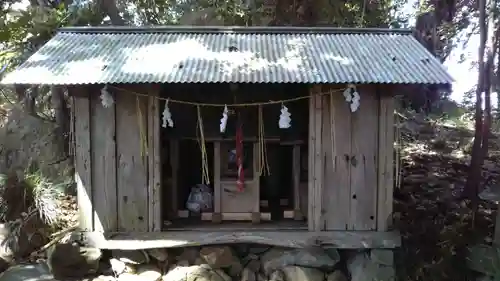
(283, 238)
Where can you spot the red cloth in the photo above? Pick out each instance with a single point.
(239, 157)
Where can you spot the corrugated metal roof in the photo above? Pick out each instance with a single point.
(260, 55)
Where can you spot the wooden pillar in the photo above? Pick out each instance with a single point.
(83, 175)
(217, 216)
(154, 164)
(256, 184)
(297, 212)
(316, 160)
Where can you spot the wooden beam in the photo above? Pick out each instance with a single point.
(216, 218)
(296, 182)
(316, 161)
(154, 165)
(293, 239)
(236, 216)
(174, 164)
(83, 172)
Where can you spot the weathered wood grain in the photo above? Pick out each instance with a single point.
(337, 182)
(132, 176)
(83, 172)
(293, 239)
(364, 162)
(316, 157)
(385, 172)
(103, 164)
(154, 165)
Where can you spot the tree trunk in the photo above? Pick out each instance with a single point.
(489, 85)
(62, 119)
(109, 8)
(474, 176)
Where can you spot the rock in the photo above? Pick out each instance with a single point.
(253, 265)
(297, 273)
(118, 267)
(278, 258)
(258, 250)
(129, 277)
(24, 272)
(149, 272)
(188, 256)
(6, 252)
(159, 254)
(337, 275)
(261, 277)
(248, 275)
(333, 253)
(219, 257)
(220, 273)
(362, 268)
(103, 278)
(72, 261)
(277, 275)
(235, 269)
(199, 261)
(131, 256)
(195, 273)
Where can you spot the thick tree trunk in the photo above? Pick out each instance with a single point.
(474, 176)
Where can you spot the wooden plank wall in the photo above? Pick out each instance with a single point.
(83, 173)
(337, 168)
(103, 154)
(351, 147)
(385, 174)
(132, 164)
(117, 172)
(154, 165)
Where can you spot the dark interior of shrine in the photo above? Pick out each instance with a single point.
(192, 105)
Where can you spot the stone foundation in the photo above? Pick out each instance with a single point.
(234, 262)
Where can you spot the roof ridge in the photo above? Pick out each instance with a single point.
(232, 29)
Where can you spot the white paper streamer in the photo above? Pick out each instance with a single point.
(106, 98)
(223, 120)
(167, 117)
(352, 97)
(285, 120)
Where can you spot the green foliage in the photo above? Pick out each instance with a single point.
(29, 206)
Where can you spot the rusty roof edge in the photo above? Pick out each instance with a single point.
(232, 29)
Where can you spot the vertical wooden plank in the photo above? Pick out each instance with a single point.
(364, 162)
(217, 184)
(385, 173)
(132, 176)
(297, 212)
(103, 164)
(311, 167)
(174, 163)
(154, 165)
(315, 190)
(256, 184)
(337, 183)
(83, 172)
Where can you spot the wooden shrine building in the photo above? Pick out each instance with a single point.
(204, 135)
